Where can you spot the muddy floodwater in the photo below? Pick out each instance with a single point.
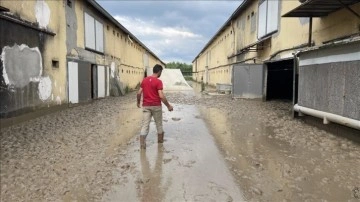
(216, 149)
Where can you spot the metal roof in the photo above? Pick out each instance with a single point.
(319, 8)
(113, 20)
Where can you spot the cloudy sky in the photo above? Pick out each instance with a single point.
(173, 30)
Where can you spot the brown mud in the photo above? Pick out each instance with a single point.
(216, 149)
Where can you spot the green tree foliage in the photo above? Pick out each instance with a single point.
(184, 68)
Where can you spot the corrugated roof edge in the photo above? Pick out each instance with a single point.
(113, 20)
(355, 39)
(236, 13)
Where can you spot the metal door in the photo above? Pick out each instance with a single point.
(84, 71)
(247, 81)
(93, 81)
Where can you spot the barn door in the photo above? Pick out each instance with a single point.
(248, 81)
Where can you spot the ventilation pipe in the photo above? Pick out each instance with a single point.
(328, 117)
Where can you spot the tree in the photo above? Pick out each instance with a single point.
(184, 68)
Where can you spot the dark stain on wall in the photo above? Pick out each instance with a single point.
(15, 100)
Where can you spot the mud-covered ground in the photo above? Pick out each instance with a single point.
(68, 155)
(277, 158)
(83, 153)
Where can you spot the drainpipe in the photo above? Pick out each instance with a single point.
(310, 31)
(295, 81)
(328, 117)
(234, 37)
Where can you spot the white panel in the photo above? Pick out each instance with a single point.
(336, 54)
(73, 82)
(107, 81)
(146, 60)
(262, 19)
(272, 16)
(99, 36)
(89, 31)
(101, 81)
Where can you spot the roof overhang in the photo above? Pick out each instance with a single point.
(319, 8)
(254, 47)
(3, 9)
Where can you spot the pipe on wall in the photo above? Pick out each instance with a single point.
(328, 117)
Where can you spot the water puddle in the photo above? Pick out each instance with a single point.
(187, 167)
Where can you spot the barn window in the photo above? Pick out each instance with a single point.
(94, 35)
(268, 17)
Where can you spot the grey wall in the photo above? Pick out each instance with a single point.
(330, 85)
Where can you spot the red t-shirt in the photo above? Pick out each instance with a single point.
(150, 86)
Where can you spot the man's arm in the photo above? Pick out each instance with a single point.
(138, 96)
(164, 100)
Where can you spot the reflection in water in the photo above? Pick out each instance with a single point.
(188, 167)
(150, 188)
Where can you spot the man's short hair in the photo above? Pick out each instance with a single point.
(157, 68)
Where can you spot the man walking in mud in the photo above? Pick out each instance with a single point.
(152, 90)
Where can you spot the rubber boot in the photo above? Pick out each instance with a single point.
(161, 137)
(142, 142)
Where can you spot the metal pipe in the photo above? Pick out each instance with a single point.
(310, 31)
(328, 117)
(287, 49)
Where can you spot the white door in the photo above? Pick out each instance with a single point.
(73, 82)
(107, 81)
(101, 81)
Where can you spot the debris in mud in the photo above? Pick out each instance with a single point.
(256, 191)
(166, 161)
(127, 166)
(230, 159)
(356, 192)
(176, 119)
(229, 199)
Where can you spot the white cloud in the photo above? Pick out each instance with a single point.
(142, 28)
(168, 43)
(173, 30)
